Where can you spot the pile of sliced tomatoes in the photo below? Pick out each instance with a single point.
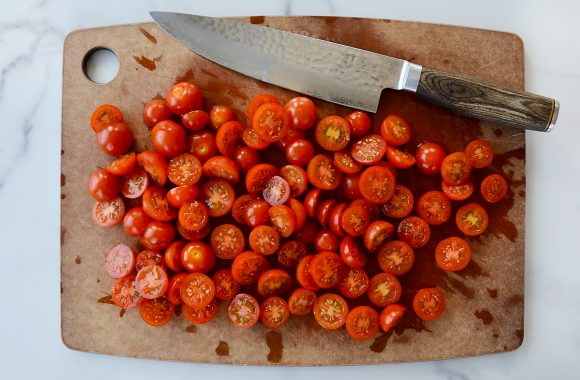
(282, 217)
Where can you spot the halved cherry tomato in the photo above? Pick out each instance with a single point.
(257, 213)
(156, 312)
(323, 173)
(246, 158)
(414, 231)
(156, 205)
(115, 138)
(158, 235)
(222, 167)
(254, 141)
(452, 254)
(104, 115)
(323, 211)
(179, 195)
(103, 185)
(149, 257)
(168, 138)
(244, 311)
(296, 178)
(429, 303)
(173, 292)
(184, 170)
(434, 207)
(401, 203)
(369, 149)
(384, 289)
(264, 240)
(372, 208)
(123, 165)
(229, 137)
(327, 269)
(391, 315)
(276, 191)
(274, 282)
(352, 253)
(299, 152)
(362, 323)
(155, 111)
(108, 213)
(193, 235)
(396, 257)
(301, 301)
(333, 133)
(155, 165)
(399, 158)
(377, 184)
(197, 290)
(326, 241)
(291, 252)
(195, 120)
(218, 195)
(377, 233)
(335, 219)
(302, 112)
(247, 267)
(201, 315)
(303, 275)
(259, 100)
(258, 176)
(455, 168)
(350, 186)
(227, 241)
(429, 156)
(472, 219)
(283, 220)
(494, 188)
(458, 192)
(226, 287)
(151, 281)
(120, 261)
(193, 215)
(220, 115)
(312, 200)
(240, 205)
(330, 311)
(173, 256)
(345, 163)
(134, 184)
(125, 294)
(184, 97)
(355, 220)
(291, 136)
(360, 123)
(395, 130)
(202, 144)
(271, 122)
(274, 312)
(196, 256)
(354, 284)
(479, 153)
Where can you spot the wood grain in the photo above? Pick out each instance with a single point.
(483, 100)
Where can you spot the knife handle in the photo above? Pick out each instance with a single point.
(485, 101)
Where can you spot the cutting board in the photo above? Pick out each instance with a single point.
(485, 301)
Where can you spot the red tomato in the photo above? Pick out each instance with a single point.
(377, 233)
(156, 312)
(195, 120)
(384, 289)
(346, 163)
(291, 252)
(229, 137)
(155, 111)
(296, 178)
(362, 323)
(220, 115)
(155, 165)
(283, 220)
(227, 241)
(246, 158)
(400, 159)
(178, 196)
(247, 267)
(311, 201)
(332, 133)
(452, 254)
(395, 130)
(458, 192)
(183, 98)
(173, 256)
(291, 136)
(123, 165)
(197, 290)
(184, 170)
(218, 195)
(434, 207)
(455, 168)
(244, 311)
(472, 219)
(355, 220)
(258, 176)
(254, 141)
(222, 167)
(134, 184)
(350, 186)
(401, 203)
(391, 315)
(323, 211)
(414, 231)
(193, 235)
(323, 173)
(173, 292)
(429, 156)
(197, 256)
(326, 241)
(302, 112)
(115, 138)
(258, 101)
(372, 208)
(299, 152)
(168, 138)
(125, 294)
(303, 275)
(148, 257)
(104, 115)
(396, 257)
(360, 123)
(240, 205)
(327, 269)
(120, 261)
(274, 312)
(109, 213)
(202, 144)
(103, 185)
(201, 315)
(330, 311)
(301, 301)
(352, 253)
(156, 205)
(429, 303)
(377, 184)
(369, 149)
(335, 219)
(193, 215)
(264, 240)
(158, 235)
(276, 191)
(479, 153)
(274, 282)
(354, 284)
(271, 122)
(151, 281)
(494, 188)
(257, 213)
(226, 287)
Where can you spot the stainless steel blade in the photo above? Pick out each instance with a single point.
(322, 69)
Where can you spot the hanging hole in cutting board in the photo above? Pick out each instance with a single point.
(101, 65)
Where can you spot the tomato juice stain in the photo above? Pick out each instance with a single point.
(178, 310)
(122, 313)
(148, 63)
(62, 180)
(223, 349)
(148, 35)
(191, 329)
(380, 342)
(257, 19)
(519, 333)
(108, 299)
(62, 196)
(485, 316)
(186, 77)
(492, 293)
(62, 234)
(274, 342)
(78, 260)
(515, 300)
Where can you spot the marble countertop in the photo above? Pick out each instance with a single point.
(31, 43)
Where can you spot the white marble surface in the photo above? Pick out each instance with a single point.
(31, 41)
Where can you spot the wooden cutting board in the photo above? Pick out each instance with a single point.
(485, 301)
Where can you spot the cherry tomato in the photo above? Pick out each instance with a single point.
(323, 173)
(155, 111)
(302, 112)
(226, 287)
(395, 130)
(227, 241)
(264, 240)
(296, 178)
(276, 191)
(291, 252)
(246, 158)
(108, 213)
(301, 301)
(345, 163)
(330, 311)
(125, 294)
(154, 165)
(299, 152)
(123, 165)
(178, 196)
(258, 176)
(452, 254)
(391, 315)
(429, 303)
(354, 284)
(326, 241)
(355, 220)
(303, 275)
(229, 137)
(201, 315)
(103, 185)
(369, 149)
(254, 141)
(323, 211)
(274, 282)
(157, 206)
(283, 220)
(429, 156)
(197, 290)
(291, 136)
(193, 235)
(196, 256)
(115, 138)
(173, 256)
(372, 208)
(434, 207)
(362, 323)
(455, 168)
(335, 219)
(472, 219)
(479, 153)
(184, 170)
(360, 123)
(396, 257)
(414, 231)
(202, 144)
(120, 261)
(218, 195)
(377, 184)
(350, 186)
(134, 184)
(149, 257)
(377, 233)
(240, 207)
(193, 215)
(195, 120)
(244, 311)
(384, 289)
(399, 159)
(494, 188)
(151, 281)
(458, 192)
(271, 122)
(183, 98)
(312, 200)
(222, 167)
(156, 312)
(333, 133)
(327, 269)
(104, 115)
(220, 115)
(352, 253)
(158, 235)
(173, 292)
(401, 203)
(257, 213)
(168, 138)
(247, 267)
(258, 101)
(274, 312)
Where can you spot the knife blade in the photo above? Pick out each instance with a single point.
(346, 75)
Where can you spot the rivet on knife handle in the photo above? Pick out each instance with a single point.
(482, 100)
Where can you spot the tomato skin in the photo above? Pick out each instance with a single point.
(355, 220)
(401, 203)
(173, 292)
(346, 163)
(414, 231)
(258, 176)
(327, 269)
(247, 267)
(158, 235)
(193, 235)
(362, 323)
(330, 311)
(237, 309)
(391, 315)
(335, 220)
(455, 168)
(377, 233)
(195, 120)
(396, 257)
(429, 157)
(479, 153)
(202, 144)
(472, 219)
(246, 158)
(155, 165)
(125, 294)
(108, 213)
(259, 100)
(123, 165)
(276, 191)
(372, 208)
(350, 186)
(197, 290)
(368, 149)
(283, 220)
(103, 185)
(172, 256)
(458, 192)
(198, 257)
(296, 178)
(303, 275)
(156, 312)
(352, 253)
(120, 261)
(226, 287)
(257, 213)
(218, 195)
(312, 200)
(271, 122)
(291, 252)
(229, 137)
(274, 312)
(323, 211)
(354, 284)
(301, 301)
(429, 303)
(201, 315)
(264, 240)
(452, 254)
(274, 282)
(104, 115)
(115, 138)
(377, 184)
(434, 207)
(222, 167)
(227, 241)
(179, 195)
(332, 133)
(220, 115)
(302, 112)
(254, 141)
(395, 130)
(155, 111)
(326, 241)
(135, 221)
(193, 215)
(399, 159)
(240, 206)
(183, 98)
(151, 281)
(384, 289)
(168, 138)
(323, 173)
(134, 184)
(360, 123)
(299, 152)
(149, 257)
(494, 188)
(156, 205)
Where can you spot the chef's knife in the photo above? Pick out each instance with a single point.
(347, 75)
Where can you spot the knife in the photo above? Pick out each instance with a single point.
(349, 76)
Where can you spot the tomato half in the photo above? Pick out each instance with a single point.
(352, 253)
(202, 144)
(104, 115)
(168, 138)
(123, 165)
(330, 311)
(240, 205)
(350, 188)
(395, 130)
(158, 235)
(372, 208)
(274, 282)
(377, 184)
(355, 220)
(197, 290)
(180, 195)
(362, 323)
(479, 153)
(173, 256)
(326, 241)
(134, 184)
(244, 311)
(312, 200)
(434, 207)
(384, 289)
(274, 312)
(296, 178)
(396, 257)
(457, 192)
(429, 303)
(335, 219)
(157, 206)
(184, 170)
(254, 141)
(399, 158)
(155, 111)
(327, 269)
(195, 120)
(258, 176)
(303, 275)
(229, 137)
(391, 315)
(472, 219)
(156, 312)
(245, 158)
(108, 213)
(455, 168)
(271, 122)
(369, 149)
(151, 281)
(201, 315)
(452, 254)
(291, 252)
(193, 215)
(247, 267)
(276, 191)
(115, 138)
(193, 235)
(429, 157)
(259, 100)
(218, 195)
(264, 240)
(155, 165)
(332, 133)
(120, 261)
(301, 301)
(283, 220)
(149, 257)
(323, 173)
(299, 152)
(257, 213)
(401, 203)
(323, 211)
(377, 233)
(103, 185)
(414, 231)
(345, 163)
(354, 284)
(125, 294)
(173, 292)
(360, 123)
(219, 116)
(184, 97)
(227, 241)
(226, 287)
(494, 188)
(196, 256)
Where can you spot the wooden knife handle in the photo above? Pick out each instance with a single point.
(482, 100)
